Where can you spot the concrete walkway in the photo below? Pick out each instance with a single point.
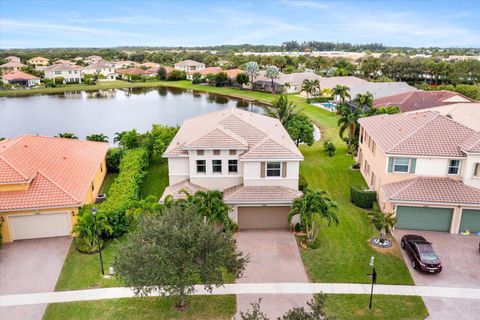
(246, 288)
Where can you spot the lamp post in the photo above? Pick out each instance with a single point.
(374, 279)
(94, 213)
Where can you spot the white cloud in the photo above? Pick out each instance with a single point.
(307, 4)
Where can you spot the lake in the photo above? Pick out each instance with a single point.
(108, 111)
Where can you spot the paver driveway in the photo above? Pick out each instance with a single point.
(461, 268)
(29, 266)
(274, 257)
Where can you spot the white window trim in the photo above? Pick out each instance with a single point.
(476, 165)
(196, 167)
(458, 168)
(266, 170)
(408, 165)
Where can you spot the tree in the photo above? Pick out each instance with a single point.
(97, 76)
(118, 136)
(196, 78)
(176, 75)
(281, 108)
(364, 101)
(67, 135)
(382, 110)
(86, 238)
(99, 137)
(342, 92)
(176, 251)
(221, 78)
(59, 80)
(210, 204)
(329, 148)
(310, 87)
(300, 129)
(252, 69)
(349, 122)
(313, 206)
(370, 67)
(162, 73)
(149, 205)
(384, 223)
(130, 139)
(161, 136)
(272, 72)
(242, 79)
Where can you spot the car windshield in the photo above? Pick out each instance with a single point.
(426, 252)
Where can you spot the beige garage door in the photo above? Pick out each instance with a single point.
(263, 217)
(31, 226)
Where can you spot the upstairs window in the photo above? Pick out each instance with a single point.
(217, 166)
(232, 152)
(200, 152)
(402, 165)
(273, 169)
(454, 167)
(216, 152)
(232, 166)
(201, 166)
(476, 170)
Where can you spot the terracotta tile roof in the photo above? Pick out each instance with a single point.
(235, 128)
(150, 65)
(467, 114)
(12, 64)
(269, 149)
(39, 58)
(136, 71)
(189, 63)
(417, 134)
(69, 164)
(432, 190)
(209, 70)
(232, 73)
(19, 75)
(175, 190)
(260, 194)
(62, 67)
(421, 99)
(472, 144)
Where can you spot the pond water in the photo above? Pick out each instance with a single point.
(108, 111)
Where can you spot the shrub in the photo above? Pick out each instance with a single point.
(302, 183)
(197, 78)
(356, 165)
(59, 80)
(176, 75)
(86, 240)
(329, 148)
(362, 198)
(321, 99)
(114, 157)
(298, 227)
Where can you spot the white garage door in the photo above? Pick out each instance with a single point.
(30, 226)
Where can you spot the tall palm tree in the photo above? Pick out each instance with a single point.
(310, 87)
(99, 137)
(67, 135)
(348, 122)
(313, 206)
(281, 108)
(272, 73)
(364, 101)
(343, 92)
(118, 136)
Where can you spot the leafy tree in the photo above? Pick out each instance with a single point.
(221, 78)
(118, 136)
(176, 75)
(255, 314)
(130, 139)
(97, 76)
(281, 108)
(329, 148)
(384, 223)
(364, 101)
(272, 72)
(99, 137)
(370, 67)
(196, 78)
(67, 135)
(349, 122)
(162, 73)
(242, 79)
(114, 157)
(342, 92)
(300, 129)
(176, 251)
(59, 80)
(252, 69)
(311, 87)
(313, 206)
(161, 136)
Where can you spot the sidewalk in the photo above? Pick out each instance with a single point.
(246, 288)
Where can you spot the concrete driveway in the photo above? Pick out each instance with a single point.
(29, 266)
(274, 258)
(461, 268)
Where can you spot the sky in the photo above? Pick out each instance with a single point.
(105, 23)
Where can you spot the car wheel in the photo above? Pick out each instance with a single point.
(402, 244)
(414, 264)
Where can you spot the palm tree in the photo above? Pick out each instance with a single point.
(252, 69)
(281, 108)
(313, 206)
(118, 136)
(382, 110)
(343, 92)
(99, 137)
(384, 223)
(213, 208)
(148, 205)
(348, 122)
(272, 73)
(364, 101)
(310, 87)
(67, 135)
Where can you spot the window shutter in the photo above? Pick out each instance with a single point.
(284, 169)
(390, 164)
(413, 164)
(262, 169)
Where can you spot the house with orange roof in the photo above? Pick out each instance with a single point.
(425, 167)
(247, 156)
(38, 61)
(43, 182)
(11, 66)
(21, 78)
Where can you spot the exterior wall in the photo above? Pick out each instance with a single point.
(38, 62)
(6, 233)
(189, 68)
(68, 75)
(178, 170)
(107, 72)
(469, 166)
(252, 176)
(97, 183)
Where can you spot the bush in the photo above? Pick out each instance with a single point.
(356, 166)
(302, 183)
(321, 99)
(298, 227)
(59, 80)
(114, 157)
(197, 78)
(362, 198)
(176, 75)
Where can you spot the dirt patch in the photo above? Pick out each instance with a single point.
(393, 250)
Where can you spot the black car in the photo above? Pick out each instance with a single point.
(421, 253)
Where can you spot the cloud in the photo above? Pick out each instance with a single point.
(307, 4)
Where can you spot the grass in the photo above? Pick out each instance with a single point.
(156, 179)
(107, 182)
(355, 306)
(201, 308)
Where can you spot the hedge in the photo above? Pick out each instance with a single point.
(362, 198)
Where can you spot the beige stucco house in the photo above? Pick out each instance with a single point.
(70, 73)
(102, 67)
(190, 67)
(248, 156)
(38, 61)
(425, 167)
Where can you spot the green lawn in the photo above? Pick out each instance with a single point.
(201, 307)
(355, 306)
(107, 182)
(157, 178)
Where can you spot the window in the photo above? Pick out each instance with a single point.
(233, 152)
(58, 72)
(232, 166)
(476, 170)
(401, 164)
(201, 166)
(216, 152)
(200, 152)
(93, 187)
(273, 169)
(101, 167)
(217, 166)
(453, 167)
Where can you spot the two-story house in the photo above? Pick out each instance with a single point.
(425, 167)
(190, 67)
(70, 73)
(248, 156)
(38, 61)
(106, 69)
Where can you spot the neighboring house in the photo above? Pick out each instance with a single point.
(11, 66)
(43, 182)
(382, 89)
(13, 59)
(70, 73)
(38, 61)
(189, 66)
(61, 61)
(104, 68)
(285, 83)
(21, 78)
(425, 167)
(248, 156)
(92, 59)
(126, 73)
(421, 99)
(205, 72)
(348, 81)
(150, 65)
(124, 64)
(467, 114)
